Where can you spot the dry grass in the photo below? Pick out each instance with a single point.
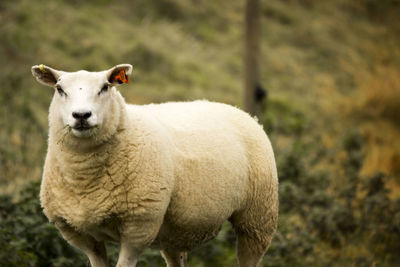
(375, 110)
(381, 94)
(379, 110)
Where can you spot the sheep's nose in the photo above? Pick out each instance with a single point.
(82, 115)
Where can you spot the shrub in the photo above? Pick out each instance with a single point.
(27, 239)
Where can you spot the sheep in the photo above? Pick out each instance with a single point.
(164, 176)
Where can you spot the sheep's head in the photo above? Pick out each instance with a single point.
(83, 100)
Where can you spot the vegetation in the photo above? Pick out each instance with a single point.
(331, 69)
(352, 221)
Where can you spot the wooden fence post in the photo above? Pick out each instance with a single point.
(254, 93)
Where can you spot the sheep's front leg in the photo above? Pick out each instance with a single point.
(136, 236)
(174, 258)
(134, 241)
(128, 255)
(95, 250)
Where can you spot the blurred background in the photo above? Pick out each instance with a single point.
(331, 70)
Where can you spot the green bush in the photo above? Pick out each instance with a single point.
(27, 239)
(314, 212)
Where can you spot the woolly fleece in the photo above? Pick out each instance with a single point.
(163, 175)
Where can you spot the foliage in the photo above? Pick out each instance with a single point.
(27, 239)
(319, 221)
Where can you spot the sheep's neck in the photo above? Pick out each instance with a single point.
(79, 168)
(107, 166)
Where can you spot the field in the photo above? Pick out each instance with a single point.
(332, 73)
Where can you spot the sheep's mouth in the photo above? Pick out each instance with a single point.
(83, 131)
(82, 126)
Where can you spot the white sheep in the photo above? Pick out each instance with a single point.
(165, 176)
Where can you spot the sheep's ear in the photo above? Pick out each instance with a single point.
(46, 75)
(119, 74)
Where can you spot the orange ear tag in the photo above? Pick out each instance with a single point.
(121, 77)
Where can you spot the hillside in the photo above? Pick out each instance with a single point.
(334, 62)
(331, 68)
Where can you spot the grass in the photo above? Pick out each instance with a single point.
(169, 64)
(322, 58)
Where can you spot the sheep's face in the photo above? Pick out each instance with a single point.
(83, 100)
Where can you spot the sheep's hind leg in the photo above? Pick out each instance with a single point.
(254, 235)
(174, 258)
(250, 251)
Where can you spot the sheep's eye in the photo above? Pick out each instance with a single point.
(60, 90)
(104, 88)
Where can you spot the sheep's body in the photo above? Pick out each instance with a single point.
(220, 154)
(165, 175)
